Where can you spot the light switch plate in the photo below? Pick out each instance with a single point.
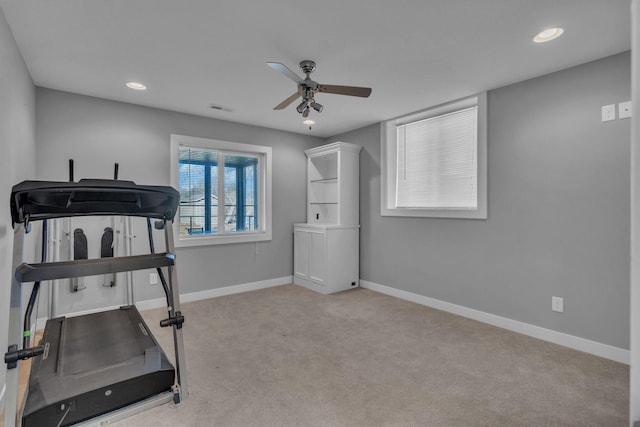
(557, 304)
(608, 112)
(624, 110)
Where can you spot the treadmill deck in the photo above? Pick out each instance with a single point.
(94, 364)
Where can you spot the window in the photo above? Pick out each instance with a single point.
(225, 191)
(434, 162)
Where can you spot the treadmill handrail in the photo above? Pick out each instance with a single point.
(39, 200)
(27, 272)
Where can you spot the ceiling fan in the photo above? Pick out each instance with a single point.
(307, 88)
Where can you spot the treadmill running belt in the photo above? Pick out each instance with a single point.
(113, 340)
(94, 364)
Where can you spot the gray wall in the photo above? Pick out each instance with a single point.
(17, 124)
(96, 133)
(558, 225)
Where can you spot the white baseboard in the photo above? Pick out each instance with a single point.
(192, 296)
(217, 292)
(566, 340)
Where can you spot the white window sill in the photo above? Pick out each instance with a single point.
(208, 240)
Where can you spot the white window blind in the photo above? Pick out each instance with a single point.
(437, 162)
(225, 191)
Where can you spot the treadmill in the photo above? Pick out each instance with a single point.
(97, 368)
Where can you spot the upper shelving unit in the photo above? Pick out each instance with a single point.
(332, 184)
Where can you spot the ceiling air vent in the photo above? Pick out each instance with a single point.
(217, 107)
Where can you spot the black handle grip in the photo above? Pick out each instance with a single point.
(13, 356)
(177, 320)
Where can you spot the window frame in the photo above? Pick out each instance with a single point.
(263, 213)
(389, 152)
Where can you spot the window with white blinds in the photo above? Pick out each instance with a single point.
(225, 191)
(437, 166)
(434, 162)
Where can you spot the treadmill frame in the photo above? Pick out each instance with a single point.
(30, 200)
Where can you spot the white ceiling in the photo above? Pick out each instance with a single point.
(413, 53)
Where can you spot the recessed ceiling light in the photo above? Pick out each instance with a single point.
(548, 35)
(136, 86)
(309, 122)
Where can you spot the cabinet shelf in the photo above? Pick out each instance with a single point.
(323, 203)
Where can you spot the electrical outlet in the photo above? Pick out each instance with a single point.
(557, 304)
(608, 112)
(624, 110)
(153, 278)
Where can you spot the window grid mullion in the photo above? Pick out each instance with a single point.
(221, 195)
(257, 198)
(240, 198)
(207, 196)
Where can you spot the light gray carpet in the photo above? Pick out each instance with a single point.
(287, 356)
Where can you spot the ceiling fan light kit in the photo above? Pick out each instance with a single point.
(307, 88)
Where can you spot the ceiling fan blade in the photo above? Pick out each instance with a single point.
(281, 68)
(364, 92)
(284, 104)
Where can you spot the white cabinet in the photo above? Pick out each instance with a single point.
(326, 255)
(309, 257)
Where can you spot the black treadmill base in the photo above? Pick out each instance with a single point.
(93, 365)
(97, 402)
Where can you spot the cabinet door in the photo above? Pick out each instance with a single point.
(301, 253)
(317, 257)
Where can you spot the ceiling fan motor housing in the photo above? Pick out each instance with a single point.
(307, 66)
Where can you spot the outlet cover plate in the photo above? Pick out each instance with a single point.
(624, 110)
